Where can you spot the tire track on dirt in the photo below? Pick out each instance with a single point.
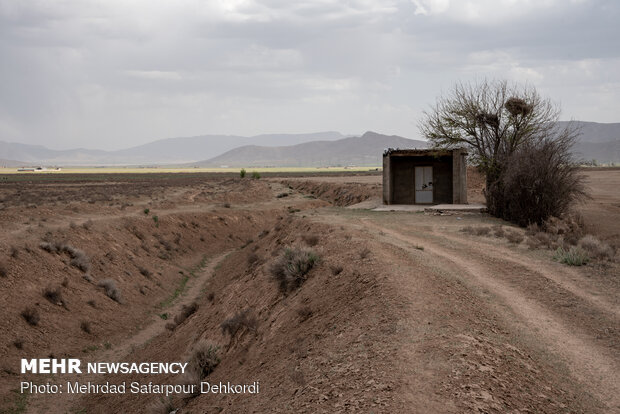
(588, 362)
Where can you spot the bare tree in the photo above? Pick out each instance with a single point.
(494, 119)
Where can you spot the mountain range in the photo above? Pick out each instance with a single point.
(598, 141)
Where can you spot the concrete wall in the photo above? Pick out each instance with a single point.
(400, 172)
(459, 176)
(387, 180)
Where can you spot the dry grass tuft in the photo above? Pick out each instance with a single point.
(111, 290)
(85, 326)
(244, 319)
(310, 239)
(31, 315)
(575, 256)
(186, 312)
(292, 267)
(514, 237)
(203, 360)
(304, 313)
(54, 295)
(596, 248)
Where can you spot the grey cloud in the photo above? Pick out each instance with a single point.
(117, 73)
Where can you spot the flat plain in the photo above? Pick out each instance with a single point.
(401, 311)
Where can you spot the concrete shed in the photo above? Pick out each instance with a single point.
(422, 176)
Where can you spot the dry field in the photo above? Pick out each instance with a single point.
(394, 312)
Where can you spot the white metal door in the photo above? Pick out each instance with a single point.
(424, 185)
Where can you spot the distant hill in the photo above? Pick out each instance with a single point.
(364, 150)
(164, 151)
(600, 142)
(11, 163)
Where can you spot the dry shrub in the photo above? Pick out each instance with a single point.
(18, 343)
(532, 243)
(532, 229)
(111, 290)
(3, 271)
(244, 319)
(538, 181)
(545, 239)
(186, 312)
(514, 237)
(79, 259)
(310, 239)
(292, 267)
(85, 326)
(31, 315)
(162, 405)
(54, 295)
(498, 231)
(145, 272)
(336, 270)
(14, 252)
(364, 253)
(596, 248)
(253, 258)
(304, 313)
(478, 231)
(203, 360)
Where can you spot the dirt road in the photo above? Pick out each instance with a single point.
(559, 314)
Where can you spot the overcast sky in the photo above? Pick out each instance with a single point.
(116, 73)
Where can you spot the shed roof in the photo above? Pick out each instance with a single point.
(414, 152)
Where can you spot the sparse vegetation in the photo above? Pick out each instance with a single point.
(54, 295)
(244, 319)
(14, 252)
(242, 173)
(514, 237)
(79, 259)
(31, 315)
(186, 312)
(162, 405)
(364, 253)
(336, 270)
(255, 175)
(176, 292)
(110, 289)
(498, 231)
(596, 248)
(146, 211)
(574, 256)
(253, 259)
(18, 343)
(145, 272)
(85, 326)
(3, 271)
(203, 360)
(310, 239)
(304, 313)
(292, 267)
(156, 221)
